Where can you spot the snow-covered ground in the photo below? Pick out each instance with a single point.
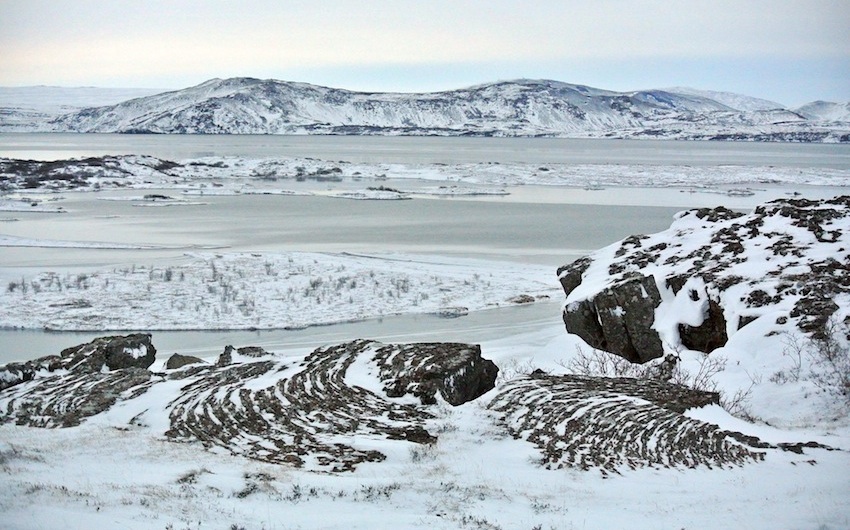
(113, 472)
(264, 291)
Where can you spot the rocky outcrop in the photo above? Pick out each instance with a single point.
(619, 319)
(245, 353)
(456, 372)
(104, 353)
(115, 353)
(256, 404)
(179, 361)
(713, 272)
(615, 423)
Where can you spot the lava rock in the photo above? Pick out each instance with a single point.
(619, 319)
(116, 352)
(179, 361)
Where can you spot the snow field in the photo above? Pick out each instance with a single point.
(265, 291)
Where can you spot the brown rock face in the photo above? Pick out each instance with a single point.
(116, 352)
(619, 319)
(179, 361)
(456, 371)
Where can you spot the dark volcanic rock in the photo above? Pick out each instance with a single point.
(114, 353)
(179, 361)
(790, 256)
(570, 275)
(709, 335)
(63, 390)
(130, 351)
(254, 352)
(619, 319)
(608, 423)
(456, 371)
(255, 404)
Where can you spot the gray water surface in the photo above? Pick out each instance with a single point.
(419, 149)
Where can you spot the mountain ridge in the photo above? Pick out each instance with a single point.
(519, 107)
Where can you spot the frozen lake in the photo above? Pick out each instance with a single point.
(431, 150)
(549, 226)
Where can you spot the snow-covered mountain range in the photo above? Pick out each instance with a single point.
(511, 108)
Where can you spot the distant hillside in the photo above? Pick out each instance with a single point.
(32, 107)
(730, 99)
(510, 108)
(826, 111)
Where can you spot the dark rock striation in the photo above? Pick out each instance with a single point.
(104, 353)
(615, 423)
(456, 372)
(252, 403)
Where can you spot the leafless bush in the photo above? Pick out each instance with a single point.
(703, 377)
(794, 348)
(601, 363)
(512, 369)
(829, 354)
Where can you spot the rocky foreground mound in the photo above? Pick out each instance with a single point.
(712, 273)
(340, 405)
(253, 403)
(610, 423)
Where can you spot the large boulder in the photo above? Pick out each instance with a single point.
(456, 371)
(713, 272)
(619, 319)
(179, 361)
(115, 353)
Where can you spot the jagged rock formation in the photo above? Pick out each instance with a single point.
(456, 371)
(80, 382)
(610, 423)
(102, 354)
(521, 107)
(713, 272)
(253, 404)
(177, 361)
(619, 319)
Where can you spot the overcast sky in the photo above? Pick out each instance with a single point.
(792, 52)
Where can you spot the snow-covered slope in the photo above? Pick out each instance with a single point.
(31, 107)
(511, 108)
(764, 297)
(730, 99)
(826, 111)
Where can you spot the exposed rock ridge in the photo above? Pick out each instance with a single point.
(102, 354)
(255, 404)
(611, 424)
(719, 270)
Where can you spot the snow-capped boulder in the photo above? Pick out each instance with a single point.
(113, 353)
(711, 273)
